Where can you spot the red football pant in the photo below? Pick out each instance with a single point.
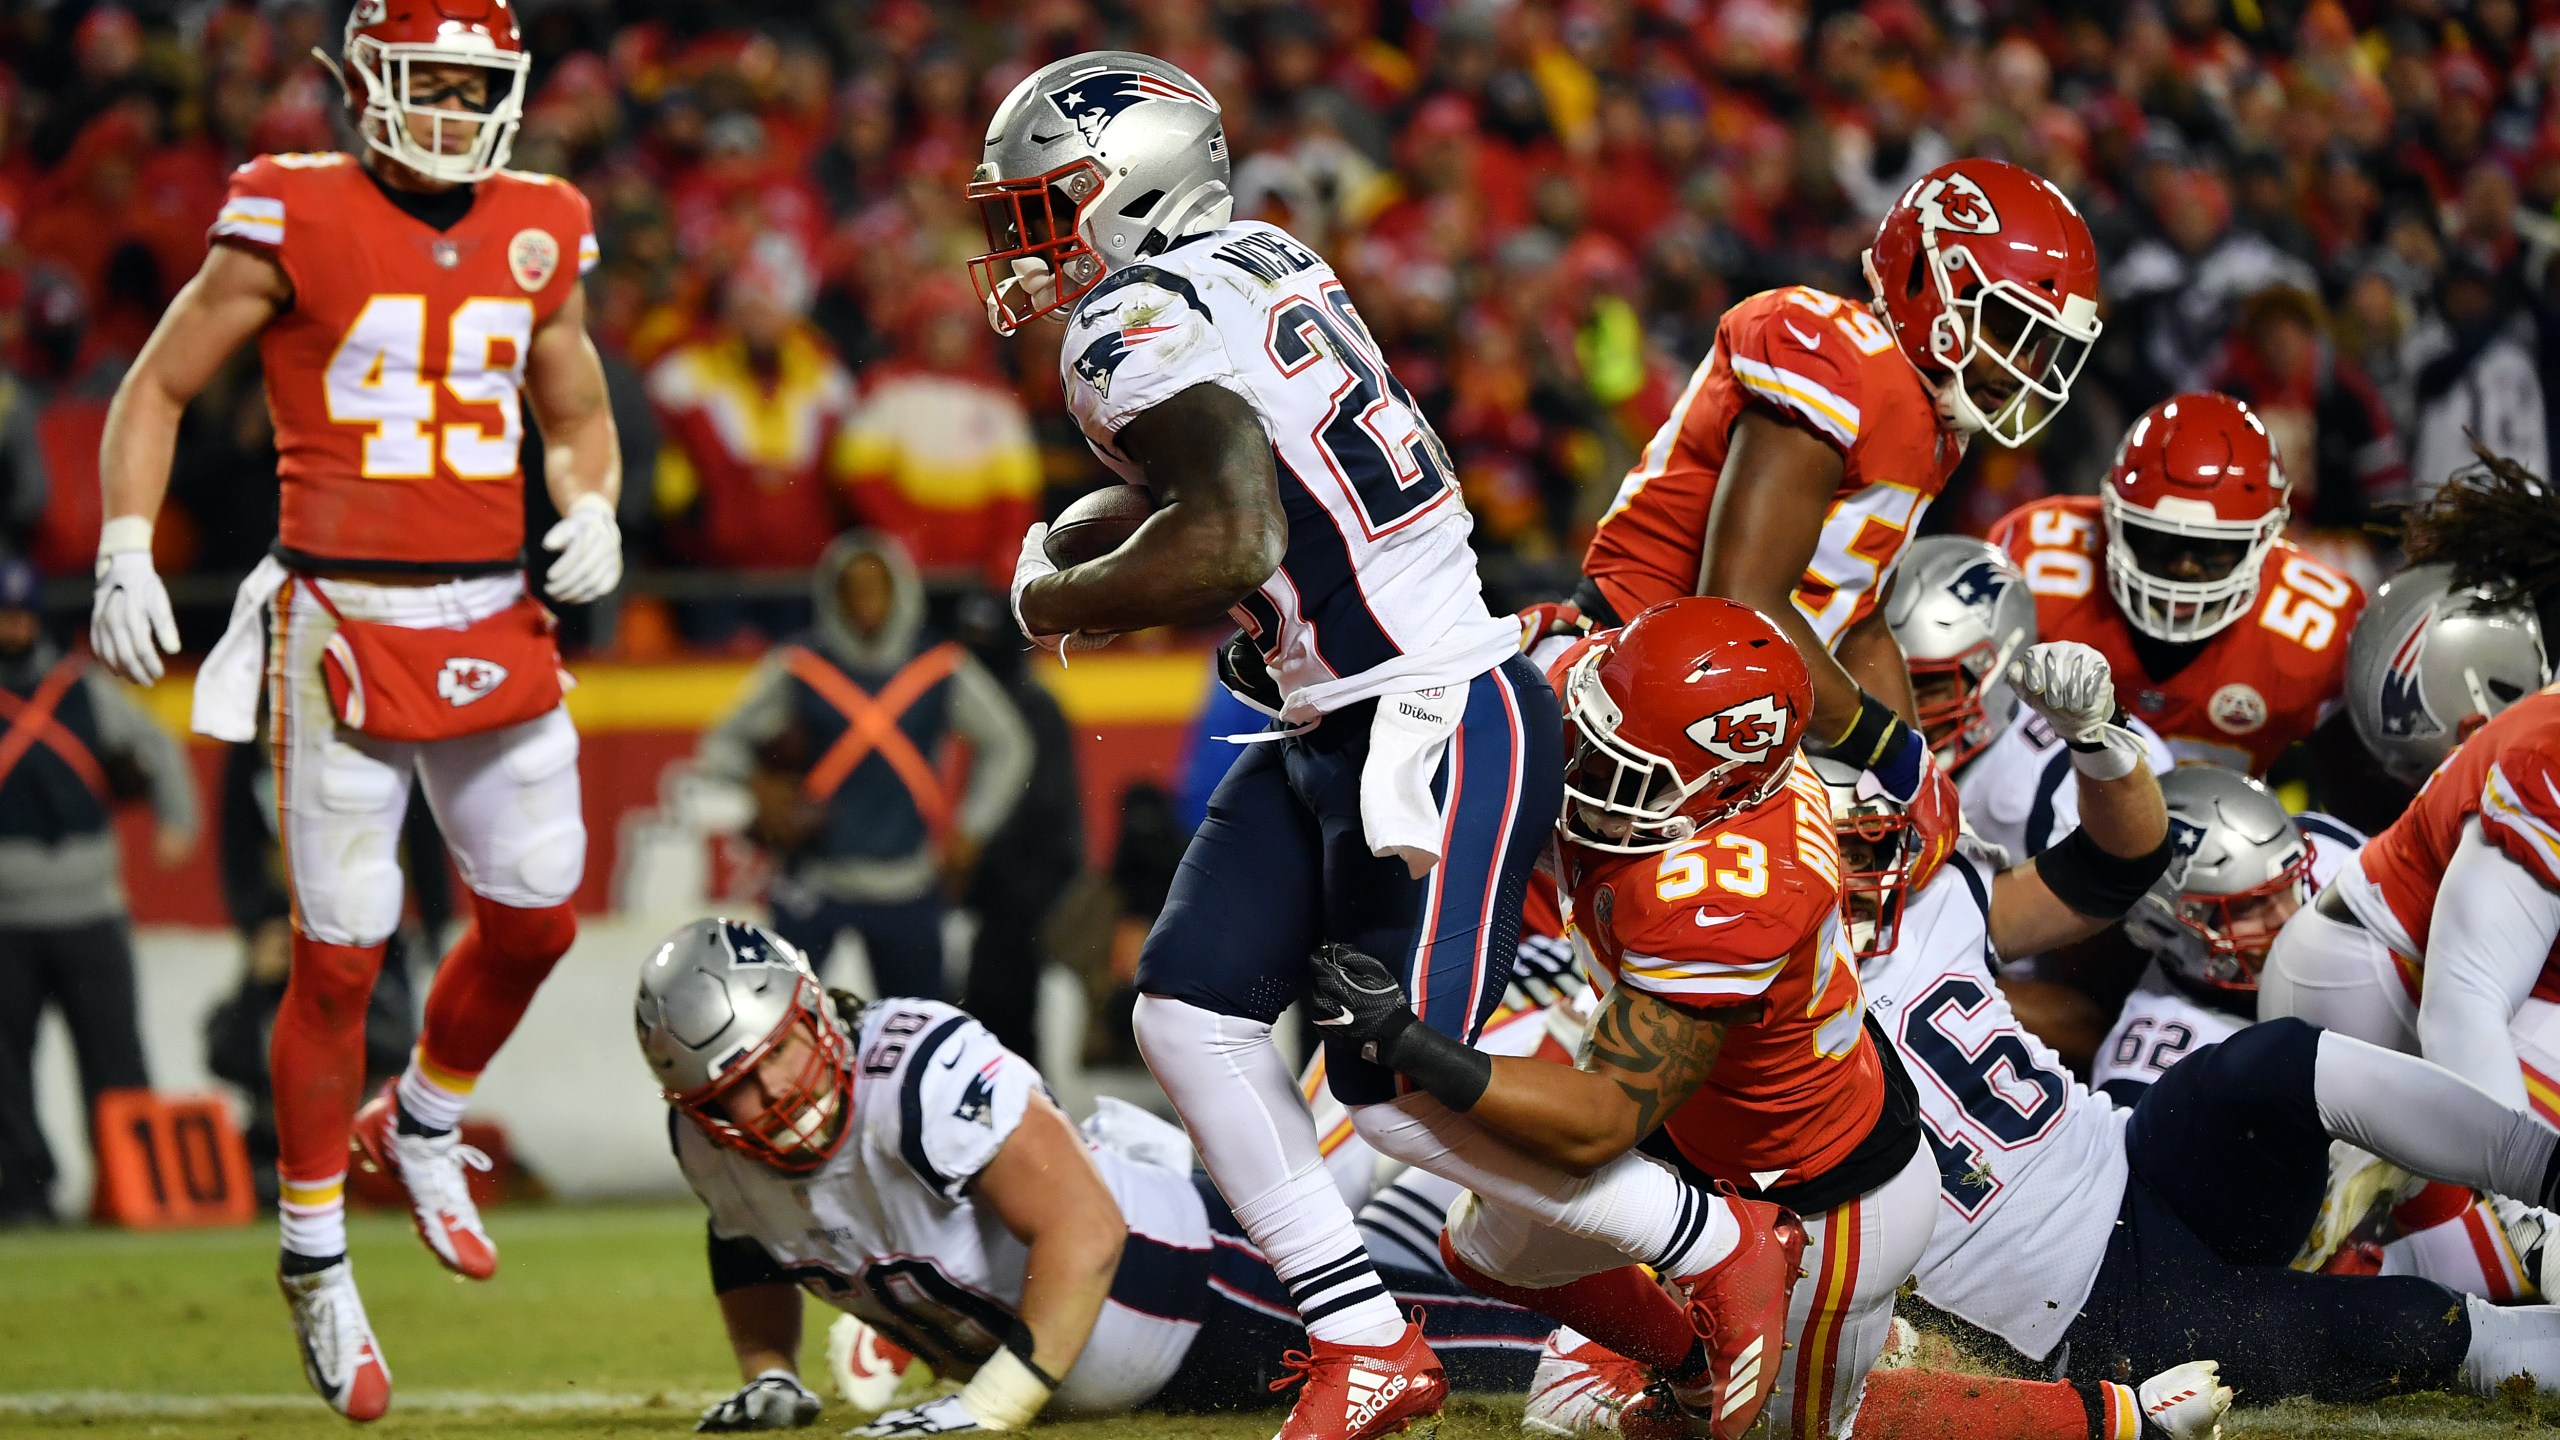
(484, 985)
(316, 1056)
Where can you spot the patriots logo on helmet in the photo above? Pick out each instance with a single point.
(1980, 583)
(1955, 202)
(2185, 839)
(1746, 732)
(2404, 704)
(1092, 100)
(746, 947)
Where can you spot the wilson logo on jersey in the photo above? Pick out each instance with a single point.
(1746, 732)
(1091, 101)
(2404, 705)
(465, 679)
(1954, 202)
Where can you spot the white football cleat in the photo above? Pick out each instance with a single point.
(339, 1355)
(2185, 1402)
(2533, 1234)
(430, 1167)
(872, 1372)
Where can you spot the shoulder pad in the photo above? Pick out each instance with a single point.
(1788, 353)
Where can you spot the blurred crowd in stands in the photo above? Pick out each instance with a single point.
(2343, 212)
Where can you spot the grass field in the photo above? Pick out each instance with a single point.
(599, 1325)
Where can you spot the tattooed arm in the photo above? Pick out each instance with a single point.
(1643, 1058)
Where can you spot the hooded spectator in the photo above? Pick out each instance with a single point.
(2476, 376)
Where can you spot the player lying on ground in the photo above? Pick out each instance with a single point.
(898, 1163)
(1403, 803)
(2128, 1241)
(1811, 439)
(408, 301)
(1703, 874)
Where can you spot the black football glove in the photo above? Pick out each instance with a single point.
(1358, 999)
(774, 1400)
(1241, 670)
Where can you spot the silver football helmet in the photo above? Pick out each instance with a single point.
(1960, 609)
(2426, 657)
(1093, 162)
(723, 1001)
(1876, 855)
(2238, 869)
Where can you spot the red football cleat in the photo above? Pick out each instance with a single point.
(429, 1167)
(1739, 1307)
(1354, 1392)
(339, 1355)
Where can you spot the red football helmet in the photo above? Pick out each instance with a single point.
(388, 40)
(2194, 502)
(1692, 713)
(1989, 280)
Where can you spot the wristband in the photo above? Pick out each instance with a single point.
(1448, 1071)
(1006, 1393)
(2113, 755)
(2082, 875)
(123, 533)
(1867, 737)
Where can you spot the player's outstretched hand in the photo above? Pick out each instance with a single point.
(588, 541)
(2067, 683)
(946, 1416)
(774, 1400)
(1357, 998)
(130, 623)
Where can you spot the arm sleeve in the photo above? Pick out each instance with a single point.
(1000, 744)
(253, 213)
(960, 1099)
(2495, 919)
(126, 729)
(1138, 340)
(1794, 360)
(728, 750)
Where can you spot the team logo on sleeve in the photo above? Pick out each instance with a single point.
(978, 1099)
(1745, 733)
(1955, 202)
(533, 257)
(1092, 100)
(1095, 366)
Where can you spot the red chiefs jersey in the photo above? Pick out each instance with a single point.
(2261, 683)
(1825, 362)
(396, 376)
(1748, 912)
(2508, 774)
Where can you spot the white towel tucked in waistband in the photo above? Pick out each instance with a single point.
(226, 705)
(1407, 740)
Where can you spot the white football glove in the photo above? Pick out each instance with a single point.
(1030, 565)
(2187, 1402)
(130, 623)
(774, 1400)
(945, 1416)
(588, 541)
(2070, 685)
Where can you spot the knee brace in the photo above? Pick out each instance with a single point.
(358, 904)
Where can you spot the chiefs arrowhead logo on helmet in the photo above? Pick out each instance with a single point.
(1954, 202)
(1746, 732)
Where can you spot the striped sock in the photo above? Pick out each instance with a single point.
(431, 1099)
(1344, 1302)
(313, 1216)
(1703, 1232)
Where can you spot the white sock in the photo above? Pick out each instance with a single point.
(313, 1218)
(433, 1105)
(2431, 1122)
(2509, 1340)
(1257, 1141)
(1633, 1204)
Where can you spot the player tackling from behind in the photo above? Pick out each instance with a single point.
(406, 302)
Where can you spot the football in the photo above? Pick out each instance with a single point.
(1097, 524)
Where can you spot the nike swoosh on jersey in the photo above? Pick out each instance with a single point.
(1707, 921)
(1810, 342)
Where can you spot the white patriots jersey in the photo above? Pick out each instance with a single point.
(2162, 1024)
(888, 1230)
(2031, 1164)
(1377, 591)
(2018, 793)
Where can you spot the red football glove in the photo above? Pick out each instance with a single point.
(1935, 817)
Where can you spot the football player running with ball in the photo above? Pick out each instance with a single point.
(1409, 786)
(1793, 473)
(406, 302)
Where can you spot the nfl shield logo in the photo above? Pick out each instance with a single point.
(446, 253)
